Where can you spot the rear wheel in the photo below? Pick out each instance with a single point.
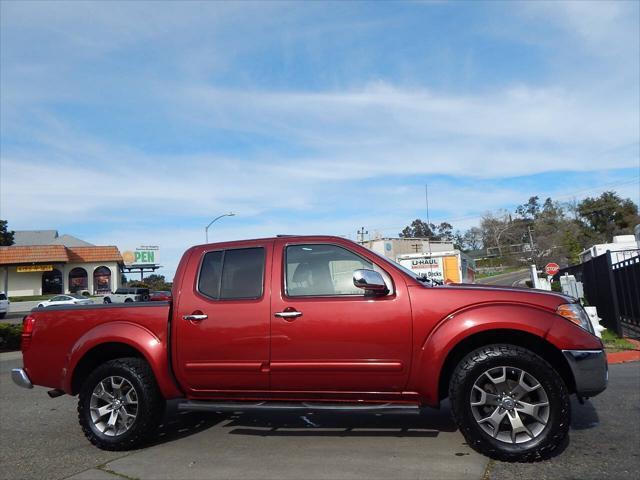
(120, 405)
(510, 404)
(106, 300)
(127, 300)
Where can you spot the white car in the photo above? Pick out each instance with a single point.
(66, 300)
(4, 304)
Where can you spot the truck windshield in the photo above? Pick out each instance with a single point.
(413, 275)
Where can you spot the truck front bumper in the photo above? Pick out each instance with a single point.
(20, 378)
(590, 371)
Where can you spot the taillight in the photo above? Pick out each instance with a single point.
(28, 325)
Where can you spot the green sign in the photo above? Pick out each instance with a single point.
(142, 256)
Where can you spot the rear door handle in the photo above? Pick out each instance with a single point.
(288, 314)
(195, 317)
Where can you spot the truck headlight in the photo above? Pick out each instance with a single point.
(576, 314)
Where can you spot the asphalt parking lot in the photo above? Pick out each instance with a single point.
(40, 438)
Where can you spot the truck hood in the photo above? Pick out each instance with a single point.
(499, 288)
(520, 294)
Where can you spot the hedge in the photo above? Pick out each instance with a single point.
(10, 336)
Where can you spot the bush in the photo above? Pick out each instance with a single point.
(10, 336)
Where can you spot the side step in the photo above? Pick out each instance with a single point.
(306, 407)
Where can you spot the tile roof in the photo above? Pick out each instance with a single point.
(18, 255)
(94, 254)
(33, 254)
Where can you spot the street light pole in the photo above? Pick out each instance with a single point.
(206, 229)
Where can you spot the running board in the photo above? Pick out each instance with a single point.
(307, 407)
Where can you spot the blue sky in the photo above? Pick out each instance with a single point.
(134, 123)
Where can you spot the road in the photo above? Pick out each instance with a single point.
(605, 436)
(17, 311)
(506, 279)
(40, 438)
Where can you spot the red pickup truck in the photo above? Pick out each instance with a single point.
(320, 323)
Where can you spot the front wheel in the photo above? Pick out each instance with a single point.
(510, 404)
(120, 405)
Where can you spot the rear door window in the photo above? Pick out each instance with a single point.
(232, 274)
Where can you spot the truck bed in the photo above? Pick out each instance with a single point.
(62, 334)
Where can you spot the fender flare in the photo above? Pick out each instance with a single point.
(463, 324)
(133, 335)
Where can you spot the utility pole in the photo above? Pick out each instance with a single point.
(361, 234)
(426, 196)
(531, 244)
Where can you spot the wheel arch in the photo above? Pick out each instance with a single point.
(534, 343)
(118, 340)
(97, 356)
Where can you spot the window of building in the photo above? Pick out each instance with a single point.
(78, 280)
(102, 280)
(52, 282)
(232, 274)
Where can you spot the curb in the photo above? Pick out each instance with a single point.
(624, 357)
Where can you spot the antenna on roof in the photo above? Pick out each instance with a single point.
(426, 196)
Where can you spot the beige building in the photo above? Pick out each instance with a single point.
(58, 268)
(392, 248)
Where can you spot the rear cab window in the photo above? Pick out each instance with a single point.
(232, 274)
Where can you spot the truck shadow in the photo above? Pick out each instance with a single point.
(583, 416)
(429, 423)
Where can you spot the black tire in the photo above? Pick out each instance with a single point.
(3, 314)
(150, 404)
(551, 434)
(106, 300)
(128, 300)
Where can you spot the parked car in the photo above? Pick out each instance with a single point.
(4, 305)
(65, 300)
(306, 324)
(160, 296)
(127, 295)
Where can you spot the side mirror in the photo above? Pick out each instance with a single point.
(370, 281)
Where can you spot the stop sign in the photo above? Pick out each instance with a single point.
(551, 269)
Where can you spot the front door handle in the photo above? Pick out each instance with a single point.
(195, 317)
(288, 314)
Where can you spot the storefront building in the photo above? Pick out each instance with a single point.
(52, 269)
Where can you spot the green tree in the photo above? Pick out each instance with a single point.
(6, 235)
(418, 229)
(607, 215)
(421, 229)
(531, 209)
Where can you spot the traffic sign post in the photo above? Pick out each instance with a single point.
(551, 269)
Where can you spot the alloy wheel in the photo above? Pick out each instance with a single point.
(510, 404)
(114, 406)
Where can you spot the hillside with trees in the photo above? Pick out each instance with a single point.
(539, 231)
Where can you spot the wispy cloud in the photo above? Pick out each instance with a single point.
(141, 119)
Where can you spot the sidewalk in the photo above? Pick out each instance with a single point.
(626, 356)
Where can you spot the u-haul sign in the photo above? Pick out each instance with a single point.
(431, 268)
